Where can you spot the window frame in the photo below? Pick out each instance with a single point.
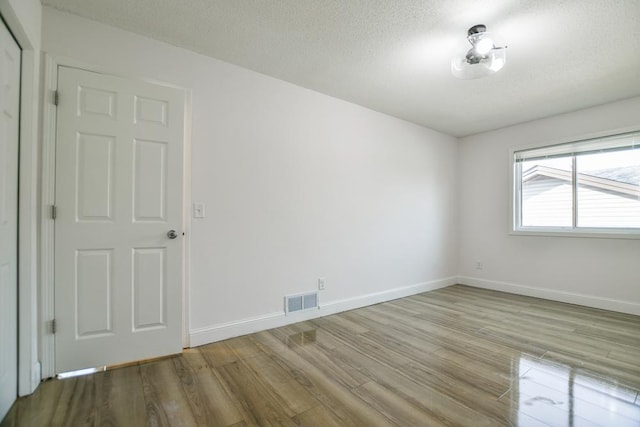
(515, 195)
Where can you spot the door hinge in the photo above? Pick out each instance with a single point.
(56, 97)
(54, 326)
(54, 212)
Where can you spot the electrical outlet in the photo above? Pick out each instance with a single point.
(321, 284)
(479, 265)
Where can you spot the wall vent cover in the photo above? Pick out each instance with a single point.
(300, 302)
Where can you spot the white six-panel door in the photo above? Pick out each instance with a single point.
(119, 175)
(9, 124)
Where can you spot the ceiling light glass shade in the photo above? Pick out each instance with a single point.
(486, 56)
(491, 63)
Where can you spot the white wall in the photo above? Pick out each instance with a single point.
(24, 18)
(297, 186)
(598, 272)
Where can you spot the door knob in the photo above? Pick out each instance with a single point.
(172, 234)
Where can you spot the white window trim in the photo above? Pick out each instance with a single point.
(583, 232)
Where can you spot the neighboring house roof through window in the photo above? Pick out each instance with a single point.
(623, 181)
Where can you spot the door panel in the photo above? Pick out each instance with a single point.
(95, 177)
(118, 276)
(9, 124)
(150, 180)
(149, 288)
(94, 293)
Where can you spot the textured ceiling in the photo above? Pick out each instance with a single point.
(394, 56)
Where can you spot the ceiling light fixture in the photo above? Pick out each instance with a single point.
(484, 57)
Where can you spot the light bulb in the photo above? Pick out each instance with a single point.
(484, 46)
(497, 64)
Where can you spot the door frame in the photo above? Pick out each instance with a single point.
(47, 226)
(29, 42)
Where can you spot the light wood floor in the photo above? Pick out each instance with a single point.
(455, 356)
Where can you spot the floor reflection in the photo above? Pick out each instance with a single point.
(302, 338)
(561, 395)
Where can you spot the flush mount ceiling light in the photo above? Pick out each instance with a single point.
(484, 57)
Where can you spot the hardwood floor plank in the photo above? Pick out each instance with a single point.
(218, 354)
(320, 356)
(218, 408)
(625, 374)
(243, 347)
(554, 341)
(561, 311)
(624, 354)
(123, 401)
(446, 321)
(521, 343)
(81, 396)
(166, 402)
(349, 409)
(410, 340)
(395, 407)
(473, 395)
(318, 416)
(404, 382)
(457, 366)
(620, 336)
(291, 394)
(482, 351)
(67, 391)
(257, 403)
(37, 409)
(421, 329)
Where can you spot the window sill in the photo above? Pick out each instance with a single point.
(591, 233)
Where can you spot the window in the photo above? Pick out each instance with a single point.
(583, 186)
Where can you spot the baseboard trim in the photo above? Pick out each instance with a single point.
(554, 295)
(251, 325)
(338, 306)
